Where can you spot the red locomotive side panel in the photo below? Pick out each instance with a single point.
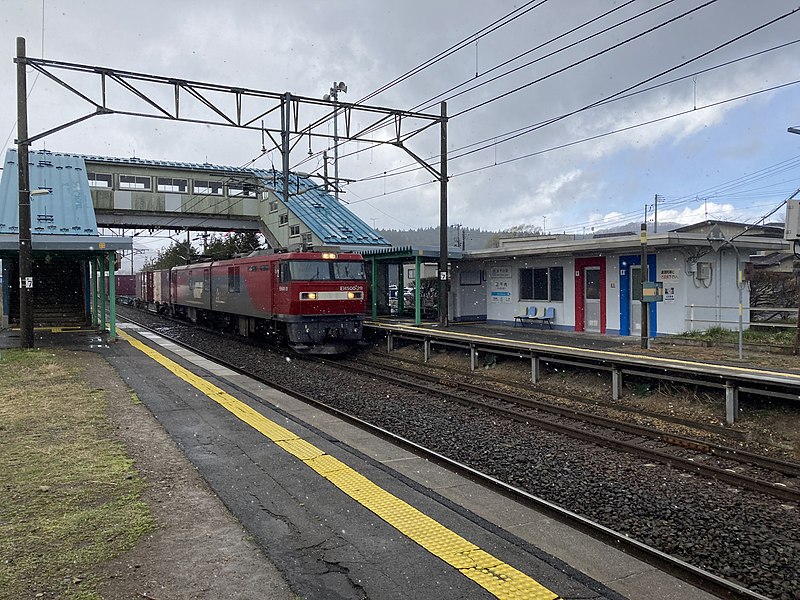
(243, 286)
(191, 285)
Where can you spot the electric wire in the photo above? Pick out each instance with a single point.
(460, 45)
(592, 138)
(425, 105)
(507, 136)
(488, 29)
(381, 122)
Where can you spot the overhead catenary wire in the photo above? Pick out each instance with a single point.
(551, 40)
(509, 17)
(425, 105)
(587, 139)
(507, 136)
(460, 45)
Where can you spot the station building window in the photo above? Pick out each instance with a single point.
(170, 184)
(294, 230)
(207, 187)
(469, 278)
(283, 219)
(273, 206)
(135, 182)
(100, 180)
(242, 190)
(545, 284)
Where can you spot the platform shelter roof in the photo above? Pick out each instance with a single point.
(62, 214)
(404, 253)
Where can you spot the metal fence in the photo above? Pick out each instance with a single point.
(700, 317)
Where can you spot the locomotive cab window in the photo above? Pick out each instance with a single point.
(320, 270)
(348, 269)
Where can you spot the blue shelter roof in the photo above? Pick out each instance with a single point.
(67, 208)
(321, 212)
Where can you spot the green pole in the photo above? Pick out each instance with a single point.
(112, 292)
(417, 293)
(374, 290)
(93, 293)
(96, 291)
(102, 292)
(401, 285)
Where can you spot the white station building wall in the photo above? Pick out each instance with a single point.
(697, 294)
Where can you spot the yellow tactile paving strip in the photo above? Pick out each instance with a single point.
(498, 578)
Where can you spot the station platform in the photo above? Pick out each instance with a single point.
(344, 514)
(530, 332)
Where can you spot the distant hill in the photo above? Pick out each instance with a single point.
(478, 239)
(458, 237)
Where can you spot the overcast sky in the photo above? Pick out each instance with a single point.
(733, 160)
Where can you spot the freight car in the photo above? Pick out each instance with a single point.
(312, 301)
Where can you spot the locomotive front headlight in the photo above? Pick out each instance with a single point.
(308, 295)
(354, 295)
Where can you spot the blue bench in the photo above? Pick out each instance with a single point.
(547, 317)
(529, 316)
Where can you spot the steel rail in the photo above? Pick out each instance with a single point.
(718, 450)
(703, 374)
(709, 582)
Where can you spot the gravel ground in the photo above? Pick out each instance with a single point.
(737, 534)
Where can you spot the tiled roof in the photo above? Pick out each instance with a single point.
(321, 212)
(66, 210)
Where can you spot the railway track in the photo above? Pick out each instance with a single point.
(722, 587)
(739, 468)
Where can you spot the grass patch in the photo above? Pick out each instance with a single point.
(754, 335)
(71, 496)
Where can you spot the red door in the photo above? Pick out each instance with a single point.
(580, 289)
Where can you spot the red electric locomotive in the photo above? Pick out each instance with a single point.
(313, 301)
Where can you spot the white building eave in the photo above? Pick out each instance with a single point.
(627, 244)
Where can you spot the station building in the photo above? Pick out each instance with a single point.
(594, 285)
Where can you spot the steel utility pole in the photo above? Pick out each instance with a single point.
(645, 277)
(25, 248)
(443, 258)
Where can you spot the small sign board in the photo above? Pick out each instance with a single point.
(652, 291)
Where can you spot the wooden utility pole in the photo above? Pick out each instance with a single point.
(25, 248)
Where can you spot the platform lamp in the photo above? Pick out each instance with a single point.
(334, 95)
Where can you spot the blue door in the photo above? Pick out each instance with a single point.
(628, 301)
